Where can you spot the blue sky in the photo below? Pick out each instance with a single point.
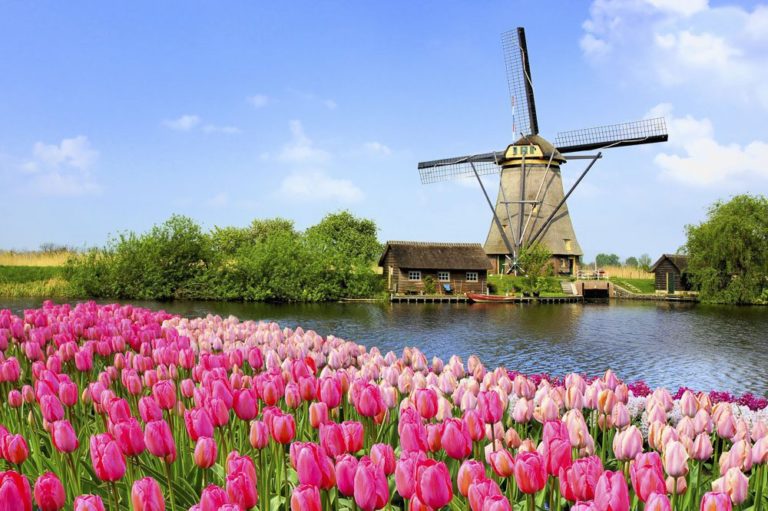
(113, 116)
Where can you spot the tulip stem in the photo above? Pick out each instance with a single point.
(170, 486)
(531, 498)
(115, 495)
(759, 487)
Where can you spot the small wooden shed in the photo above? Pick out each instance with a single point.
(670, 271)
(415, 267)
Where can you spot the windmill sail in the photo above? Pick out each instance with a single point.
(519, 82)
(647, 131)
(461, 167)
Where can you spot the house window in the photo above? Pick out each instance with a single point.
(444, 276)
(414, 275)
(472, 276)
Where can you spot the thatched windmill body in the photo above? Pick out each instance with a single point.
(531, 203)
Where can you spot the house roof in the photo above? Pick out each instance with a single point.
(679, 261)
(437, 256)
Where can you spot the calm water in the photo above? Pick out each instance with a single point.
(704, 347)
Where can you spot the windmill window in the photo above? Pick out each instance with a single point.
(472, 276)
(414, 275)
(444, 276)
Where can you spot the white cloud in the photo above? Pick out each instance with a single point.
(685, 44)
(258, 100)
(183, 123)
(62, 169)
(330, 104)
(227, 130)
(301, 149)
(700, 160)
(377, 148)
(316, 185)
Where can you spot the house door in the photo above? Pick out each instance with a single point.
(670, 283)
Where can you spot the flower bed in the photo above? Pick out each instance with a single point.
(109, 406)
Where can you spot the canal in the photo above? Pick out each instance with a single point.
(699, 346)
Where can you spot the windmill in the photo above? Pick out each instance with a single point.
(531, 203)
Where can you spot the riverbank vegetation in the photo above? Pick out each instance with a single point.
(728, 252)
(25, 281)
(270, 260)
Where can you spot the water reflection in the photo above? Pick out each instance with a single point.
(704, 347)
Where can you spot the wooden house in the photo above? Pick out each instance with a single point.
(670, 272)
(412, 267)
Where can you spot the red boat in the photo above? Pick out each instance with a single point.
(481, 298)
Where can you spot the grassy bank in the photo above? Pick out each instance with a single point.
(638, 286)
(34, 281)
(37, 258)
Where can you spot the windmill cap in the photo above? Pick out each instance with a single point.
(546, 147)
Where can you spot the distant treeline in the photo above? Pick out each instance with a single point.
(267, 261)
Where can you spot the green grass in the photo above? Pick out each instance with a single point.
(639, 286)
(22, 274)
(503, 284)
(34, 281)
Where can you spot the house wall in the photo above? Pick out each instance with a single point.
(664, 268)
(391, 272)
(458, 282)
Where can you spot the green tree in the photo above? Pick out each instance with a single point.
(644, 262)
(261, 229)
(631, 261)
(607, 260)
(535, 262)
(728, 252)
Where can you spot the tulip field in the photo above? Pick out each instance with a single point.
(123, 408)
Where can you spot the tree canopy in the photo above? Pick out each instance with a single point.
(728, 252)
(607, 260)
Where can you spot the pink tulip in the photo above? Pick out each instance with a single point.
(480, 491)
(490, 406)
(107, 458)
(259, 435)
(198, 423)
(433, 483)
(702, 447)
(149, 410)
(470, 472)
(330, 392)
(675, 459)
(241, 489)
(353, 435)
(346, 467)
(283, 428)
(425, 401)
(658, 502)
(530, 472)
(367, 399)
(206, 452)
(405, 473)
(502, 463)
(384, 456)
(647, 475)
(628, 443)
(578, 481)
(129, 437)
(318, 414)
(245, 404)
(456, 440)
(159, 440)
(15, 449)
(88, 503)
(49, 492)
(147, 496)
(497, 503)
(332, 439)
(213, 498)
(611, 492)
(305, 497)
(371, 488)
(734, 483)
(64, 437)
(15, 493)
(715, 501)
(164, 393)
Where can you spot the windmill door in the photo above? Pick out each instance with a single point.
(670, 283)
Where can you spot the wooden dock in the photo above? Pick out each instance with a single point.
(464, 299)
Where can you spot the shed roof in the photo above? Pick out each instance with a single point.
(679, 261)
(437, 256)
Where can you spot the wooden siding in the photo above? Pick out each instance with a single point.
(458, 282)
(666, 267)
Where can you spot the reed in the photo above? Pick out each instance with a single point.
(34, 258)
(627, 272)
